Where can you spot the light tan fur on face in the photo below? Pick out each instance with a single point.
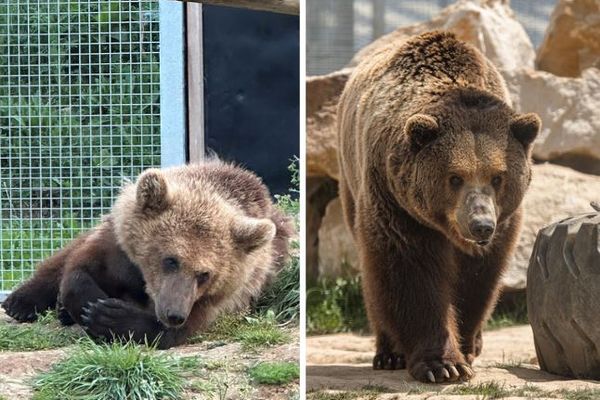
(185, 214)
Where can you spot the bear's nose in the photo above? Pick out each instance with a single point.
(175, 319)
(482, 228)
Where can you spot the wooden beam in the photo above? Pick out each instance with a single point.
(279, 6)
(195, 82)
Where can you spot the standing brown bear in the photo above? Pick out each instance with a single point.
(434, 165)
(180, 246)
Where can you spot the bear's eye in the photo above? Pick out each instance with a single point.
(202, 277)
(496, 181)
(456, 181)
(170, 264)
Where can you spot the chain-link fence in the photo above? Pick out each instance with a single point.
(79, 113)
(336, 29)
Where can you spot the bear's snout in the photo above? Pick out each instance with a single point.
(482, 229)
(477, 217)
(175, 319)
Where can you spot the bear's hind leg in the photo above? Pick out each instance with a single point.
(386, 356)
(39, 293)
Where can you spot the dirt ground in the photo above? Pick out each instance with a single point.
(225, 378)
(343, 363)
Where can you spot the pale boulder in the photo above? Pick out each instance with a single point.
(322, 94)
(489, 25)
(568, 108)
(336, 245)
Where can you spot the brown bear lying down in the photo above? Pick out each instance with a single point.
(434, 164)
(179, 247)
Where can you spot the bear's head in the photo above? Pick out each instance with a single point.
(190, 243)
(462, 165)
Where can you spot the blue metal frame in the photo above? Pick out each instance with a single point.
(172, 84)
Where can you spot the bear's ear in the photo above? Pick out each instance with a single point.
(152, 191)
(252, 233)
(421, 129)
(525, 128)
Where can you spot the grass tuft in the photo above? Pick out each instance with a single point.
(282, 297)
(336, 306)
(252, 332)
(274, 373)
(489, 390)
(117, 371)
(46, 333)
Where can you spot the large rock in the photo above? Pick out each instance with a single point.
(489, 25)
(555, 193)
(319, 192)
(569, 110)
(572, 41)
(337, 252)
(322, 94)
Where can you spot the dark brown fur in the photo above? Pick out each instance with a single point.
(410, 119)
(215, 218)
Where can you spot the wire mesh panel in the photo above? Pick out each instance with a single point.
(337, 29)
(79, 114)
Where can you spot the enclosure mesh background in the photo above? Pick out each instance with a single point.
(79, 114)
(336, 29)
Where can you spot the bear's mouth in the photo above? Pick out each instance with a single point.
(483, 243)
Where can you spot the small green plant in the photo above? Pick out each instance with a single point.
(117, 371)
(362, 394)
(336, 306)
(282, 297)
(253, 332)
(44, 334)
(509, 313)
(274, 373)
(489, 390)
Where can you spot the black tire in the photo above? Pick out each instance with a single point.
(563, 297)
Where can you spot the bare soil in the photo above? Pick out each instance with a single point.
(342, 363)
(225, 378)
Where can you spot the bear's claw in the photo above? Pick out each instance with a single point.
(390, 361)
(438, 372)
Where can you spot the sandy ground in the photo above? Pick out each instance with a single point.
(343, 363)
(228, 377)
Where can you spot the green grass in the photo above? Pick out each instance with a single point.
(274, 373)
(23, 243)
(489, 390)
(579, 394)
(493, 390)
(282, 297)
(363, 394)
(508, 313)
(46, 333)
(117, 371)
(252, 332)
(336, 306)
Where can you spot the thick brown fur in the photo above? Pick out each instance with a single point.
(181, 246)
(425, 127)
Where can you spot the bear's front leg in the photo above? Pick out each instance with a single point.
(115, 318)
(476, 294)
(386, 356)
(408, 295)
